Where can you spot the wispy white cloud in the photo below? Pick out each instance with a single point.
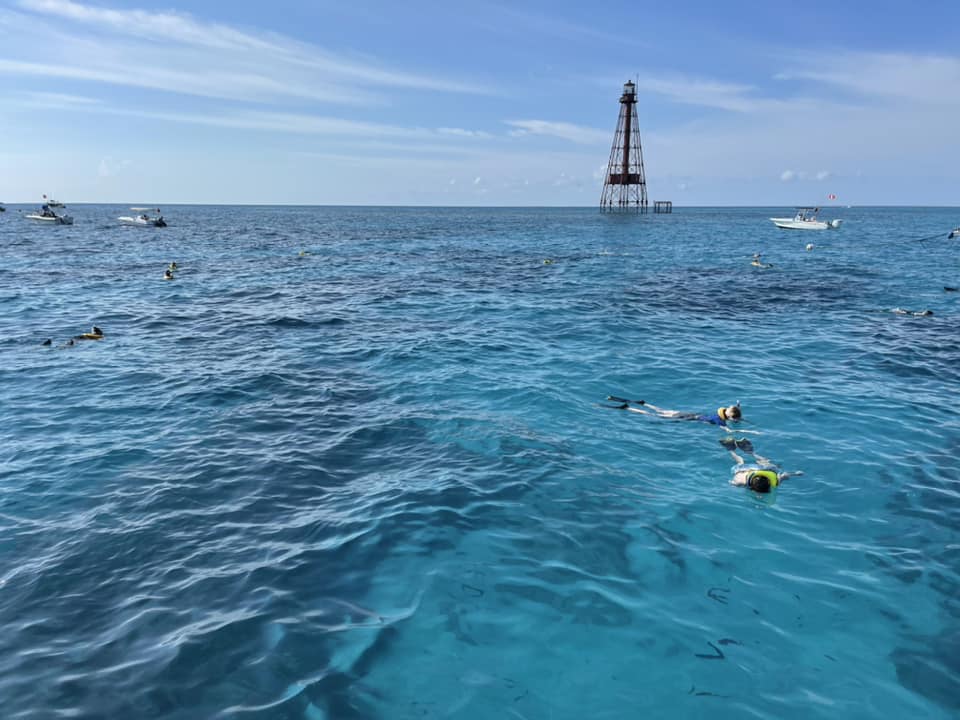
(461, 132)
(705, 92)
(56, 101)
(565, 131)
(107, 45)
(154, 76)
(376, 136)
(925, 78)
(788, 176)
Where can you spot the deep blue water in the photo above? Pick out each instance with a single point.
(376, 481)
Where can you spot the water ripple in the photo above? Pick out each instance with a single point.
(353, 463)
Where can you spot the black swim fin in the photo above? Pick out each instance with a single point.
(745, 445)
(614, 398)
(728, 442)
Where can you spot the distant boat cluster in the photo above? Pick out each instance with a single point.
(144, 217)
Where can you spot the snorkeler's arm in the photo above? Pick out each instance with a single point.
(793, 473)
(736, 458)
(741, 430)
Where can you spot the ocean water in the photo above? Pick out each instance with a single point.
(377, 480)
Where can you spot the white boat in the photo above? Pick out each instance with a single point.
(806, 219)
(46, 215)
(146, 217)
(52, 203)
(954, 234)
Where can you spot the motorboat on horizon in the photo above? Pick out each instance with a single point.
(45, 214)
(146, 217)
(806, 219)
(52, 203)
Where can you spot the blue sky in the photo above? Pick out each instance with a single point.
(477, 103)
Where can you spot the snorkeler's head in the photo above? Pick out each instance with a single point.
(97, 331)
(763, 480)
(733, 412)
(758, 483)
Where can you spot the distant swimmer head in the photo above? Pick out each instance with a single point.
(809, 247)
(173, 266)
(47, 342)
(168, 274)
(762, 481)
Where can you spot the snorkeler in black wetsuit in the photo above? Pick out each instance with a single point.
(721, 417)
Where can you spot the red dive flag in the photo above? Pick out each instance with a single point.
(831, 196)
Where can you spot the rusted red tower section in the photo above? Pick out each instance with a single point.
(625, 184)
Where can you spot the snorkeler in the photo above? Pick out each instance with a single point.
(173, 266)
(917, 313)
(759, 263)
(168, 274)
(721, 417)
(95, 334)
(761, 477)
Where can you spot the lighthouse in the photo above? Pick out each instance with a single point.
(625, 184)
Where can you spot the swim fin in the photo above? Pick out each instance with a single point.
(728, 442)
(614, 398)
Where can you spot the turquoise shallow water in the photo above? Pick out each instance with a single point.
(376, 481)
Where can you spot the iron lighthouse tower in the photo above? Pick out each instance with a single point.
(625, 184)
